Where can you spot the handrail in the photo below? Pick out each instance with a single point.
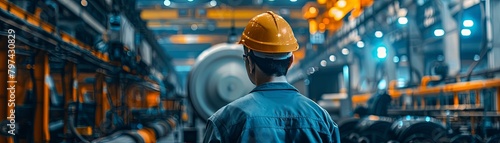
(424, 90)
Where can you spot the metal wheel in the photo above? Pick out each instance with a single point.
(217, 78)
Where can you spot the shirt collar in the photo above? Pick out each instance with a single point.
(274, 86)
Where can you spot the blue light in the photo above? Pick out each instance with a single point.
(465, 32)
(402, 20)
(166, 2)
(395, 59)
(293, 0)
(438, 32)
(360, 44)
(381, 52)
(213, 3)
(468, 23)
(379, 34)
(427, 119)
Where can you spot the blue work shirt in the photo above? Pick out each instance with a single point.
(272, 112)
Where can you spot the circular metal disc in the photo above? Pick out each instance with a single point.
(217, 78)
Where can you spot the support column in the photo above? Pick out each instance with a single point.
(100, 98)
(451, 40)
(369, 66)
(493, 34)
(346, 104)
(390, 67)
(70, 89)
(355, 74)
(42, 69)
(493, 37)
(4, 96)
(415, 53)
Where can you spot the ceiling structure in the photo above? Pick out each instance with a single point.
(184, 28)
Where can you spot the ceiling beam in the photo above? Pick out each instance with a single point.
(217, 13)
(206, 23)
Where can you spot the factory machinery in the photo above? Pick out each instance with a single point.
(457, 112)
(68, 89)
(454, 112)
(64, 90)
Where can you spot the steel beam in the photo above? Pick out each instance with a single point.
(75, 8)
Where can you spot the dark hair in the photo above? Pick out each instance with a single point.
(271, 67)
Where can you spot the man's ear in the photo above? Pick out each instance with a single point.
(251, 65)
(291, 61)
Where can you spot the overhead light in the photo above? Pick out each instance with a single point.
(194, 27)
(402, 20)
(465, 32)
(326, 20)
(345, 51)
(313, 9)
(360, 44)
(271, 0)
(84, 2)
(438, 32)
(332, 58)
(313, 26)
(321, 1)
(468, 23)
(395, 59)
(379, 34)
(420, 2)
(323, 63)
(336, 13)
(322, 27)
(190, 0)
(382, 84)
(341, 3)
(167, 3)
(381, 52)
(404, 58)
(213, 3)
(293, 0)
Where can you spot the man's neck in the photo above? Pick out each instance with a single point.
(271, 79)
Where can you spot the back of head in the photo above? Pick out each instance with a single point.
(270, 42)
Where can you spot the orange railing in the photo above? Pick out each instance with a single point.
(424, 90)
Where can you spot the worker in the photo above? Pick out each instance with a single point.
(274, 111)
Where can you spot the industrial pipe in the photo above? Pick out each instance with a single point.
(151, 132)
(71, 120)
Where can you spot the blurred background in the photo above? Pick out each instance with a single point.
(155, 70)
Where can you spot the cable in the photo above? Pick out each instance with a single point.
(71, 118)
(484, 43)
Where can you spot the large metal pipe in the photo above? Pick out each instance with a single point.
(152, 131)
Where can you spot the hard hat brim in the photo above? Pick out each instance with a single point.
(268, 47)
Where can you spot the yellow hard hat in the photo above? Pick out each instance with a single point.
(269, 33)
